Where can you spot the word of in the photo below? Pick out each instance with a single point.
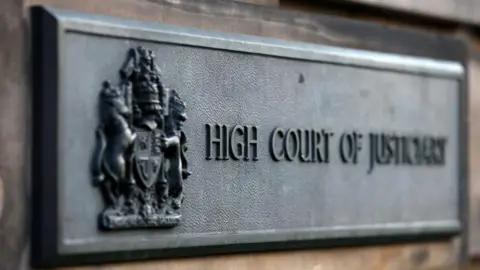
(349, 146)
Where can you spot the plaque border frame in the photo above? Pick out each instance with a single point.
(50, 24)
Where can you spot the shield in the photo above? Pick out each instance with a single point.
(148, 156)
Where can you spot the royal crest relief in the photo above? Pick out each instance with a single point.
(139, 163)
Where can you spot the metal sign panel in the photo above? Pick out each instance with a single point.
(155, 140)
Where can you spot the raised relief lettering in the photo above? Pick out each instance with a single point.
(349, 147)
(306, 150)
(303, 145)
(251, 143)
(237, 142)
(313, 146)
(276, 152)
(388, 149)
(215, 141)
(237, 145)
(290, 145)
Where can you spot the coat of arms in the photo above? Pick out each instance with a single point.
(139, 162)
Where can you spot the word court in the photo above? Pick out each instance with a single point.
(238, 142)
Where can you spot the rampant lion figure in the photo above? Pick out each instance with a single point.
(139, 159)
(175, 146)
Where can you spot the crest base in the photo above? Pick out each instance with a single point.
(110, 221)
